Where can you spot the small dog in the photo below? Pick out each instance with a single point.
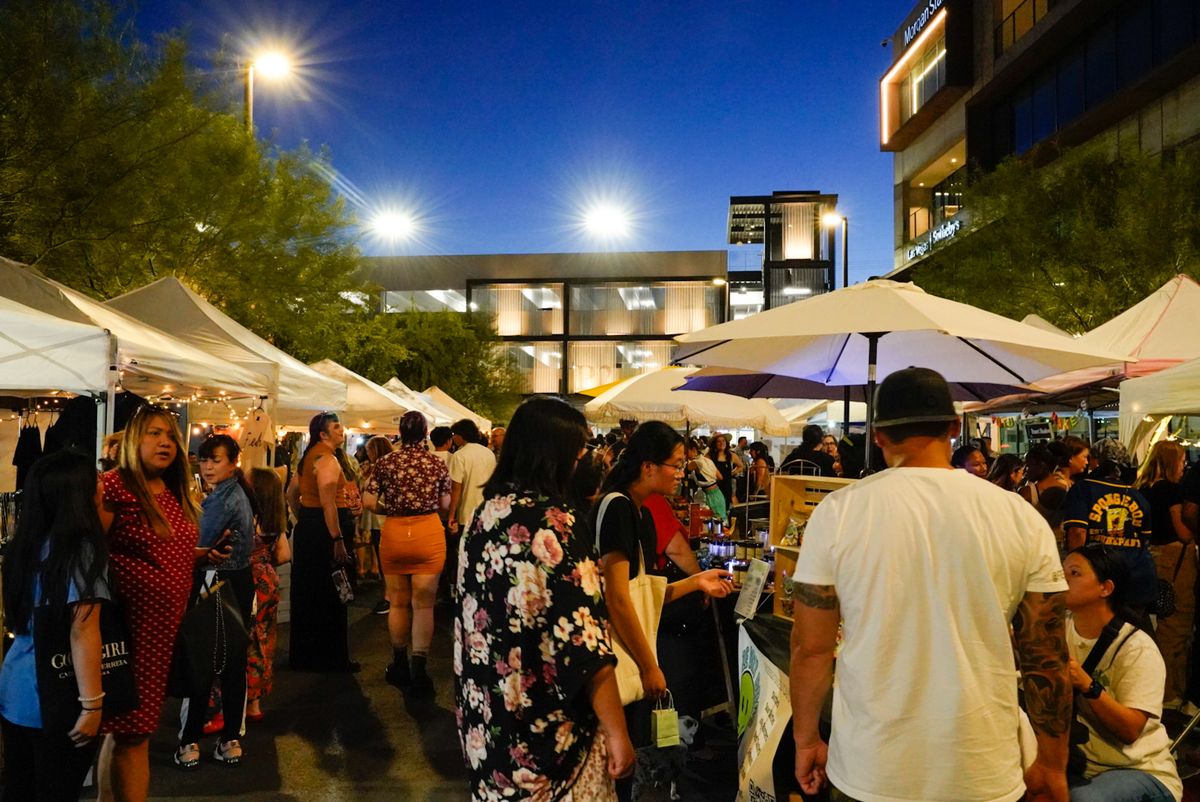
(657, 766)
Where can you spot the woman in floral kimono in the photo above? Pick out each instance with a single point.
(538, 709)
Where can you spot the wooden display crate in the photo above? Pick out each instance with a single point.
(793, 497)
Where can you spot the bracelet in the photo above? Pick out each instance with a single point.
(92, 698)
(92, 709)
(336, 539)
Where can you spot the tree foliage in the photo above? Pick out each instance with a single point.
(456, 352)
(119, 165)
(1076, 242)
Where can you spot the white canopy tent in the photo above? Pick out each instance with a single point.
(443, 400)
(652, 396)
(297, 391)
(1149, 402)
(40, 353)
(437, 415)
(151, 361)
(369, 406)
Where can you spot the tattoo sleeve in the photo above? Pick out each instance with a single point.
(819, 597)
(1039, 627)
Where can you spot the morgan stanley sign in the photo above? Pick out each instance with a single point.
(923, 14)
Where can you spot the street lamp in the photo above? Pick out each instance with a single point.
(392, 225)
(606, 221)
(272, 65)
(831, 220)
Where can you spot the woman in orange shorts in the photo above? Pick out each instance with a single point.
(410, 486)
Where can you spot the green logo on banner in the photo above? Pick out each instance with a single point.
(745, 702)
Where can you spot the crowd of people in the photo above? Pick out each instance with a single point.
(543, 533)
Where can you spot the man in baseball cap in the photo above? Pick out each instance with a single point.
(924, 567)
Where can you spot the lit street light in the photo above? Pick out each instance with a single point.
(606, 221)
(273, 66)
(392, 225)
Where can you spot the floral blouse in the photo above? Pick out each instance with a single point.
(409, 480)
(531, 633)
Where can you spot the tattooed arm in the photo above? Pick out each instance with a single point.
(1040, 632)
(814, 635)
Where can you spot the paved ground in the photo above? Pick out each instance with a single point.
(329, 738)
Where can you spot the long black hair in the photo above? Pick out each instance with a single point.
(58, 515)
(653, 441)
(540, 448)
(1108, 564)
(208, 450)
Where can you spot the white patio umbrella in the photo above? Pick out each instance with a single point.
(650, 396)
(870, 330)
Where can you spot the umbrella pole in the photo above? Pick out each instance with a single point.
(846, 411)
(872, 358)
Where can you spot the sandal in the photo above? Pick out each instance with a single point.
(228, 752)
(187, 756)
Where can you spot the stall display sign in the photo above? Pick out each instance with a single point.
(752, 588)
(1038, 431)
(764, 712)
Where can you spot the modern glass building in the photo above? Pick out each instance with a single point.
(570, 321)
(975, 81)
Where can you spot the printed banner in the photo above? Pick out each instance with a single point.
(764, 710)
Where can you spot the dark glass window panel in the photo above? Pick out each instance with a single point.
(1175, 27)
(1044, 106)
(1101, 63)
(1135, 43)
(1022, 122)
(1070, 87)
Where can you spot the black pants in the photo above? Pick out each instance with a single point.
(240, 582)
(48, 768)
(319, 625)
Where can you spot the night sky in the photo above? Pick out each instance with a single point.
(495, 123)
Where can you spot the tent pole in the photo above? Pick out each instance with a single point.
(872, 358)
(114, 371)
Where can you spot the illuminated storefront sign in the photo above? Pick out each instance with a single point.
(940, 234)
(916, 26)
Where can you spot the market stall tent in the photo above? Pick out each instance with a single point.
(370, 407)
(446, 402)
(298, 391)
(437, 416)
(40, 353)
(652, 396)
(1148, 403)
(150, 361)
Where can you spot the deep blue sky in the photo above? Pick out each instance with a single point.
(495, 122)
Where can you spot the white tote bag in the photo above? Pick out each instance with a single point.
(647, 593)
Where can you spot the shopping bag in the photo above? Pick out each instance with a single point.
(647, 594)
(58, 689)
(664, 722)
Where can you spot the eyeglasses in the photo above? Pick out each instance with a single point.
(672, 466)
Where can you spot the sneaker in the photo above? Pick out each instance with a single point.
(215, 724)
(187, 756)
(228, 752)
(382, 607)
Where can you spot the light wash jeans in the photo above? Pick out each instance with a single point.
(1119, 785)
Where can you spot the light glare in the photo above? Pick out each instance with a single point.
(273, 65)
(393, 225)
(606, 220)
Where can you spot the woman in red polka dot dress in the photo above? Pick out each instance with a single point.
(151, 516)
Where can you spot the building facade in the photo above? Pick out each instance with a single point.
(797, 248)
(569, 321)
(973, 82)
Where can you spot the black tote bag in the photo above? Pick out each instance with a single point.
(58, 690)
(211, 629)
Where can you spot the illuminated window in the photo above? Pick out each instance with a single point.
(927, 76)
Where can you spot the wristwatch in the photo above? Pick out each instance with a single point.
(1094, 690)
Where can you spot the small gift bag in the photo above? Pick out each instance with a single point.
(664, 722)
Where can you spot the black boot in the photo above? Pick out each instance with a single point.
(422, 685)
(397, 674)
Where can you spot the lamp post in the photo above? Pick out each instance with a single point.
(272, 65)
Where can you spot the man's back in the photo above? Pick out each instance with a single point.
(929, 566)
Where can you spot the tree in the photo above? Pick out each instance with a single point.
(457, 352)
(1077, 241)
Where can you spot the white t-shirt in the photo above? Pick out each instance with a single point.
(929, 566)
(471, 466)
(706, 470)
(1132, 670)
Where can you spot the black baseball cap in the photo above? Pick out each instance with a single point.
(913, 395)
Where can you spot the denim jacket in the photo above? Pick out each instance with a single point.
(227, 507)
